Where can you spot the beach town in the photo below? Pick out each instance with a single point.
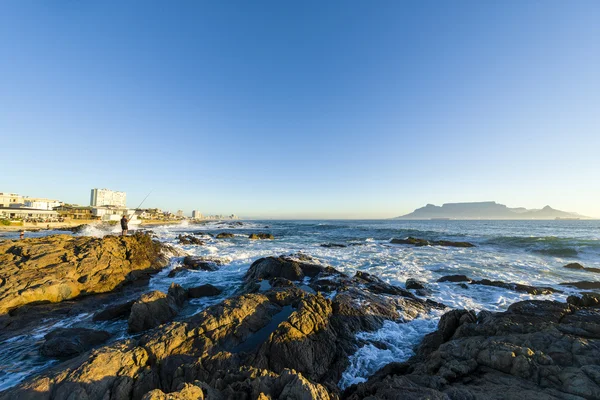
(18, 212)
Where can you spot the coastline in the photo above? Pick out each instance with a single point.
(35, 227)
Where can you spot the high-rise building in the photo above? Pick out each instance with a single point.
(196, 214)
(106, 197)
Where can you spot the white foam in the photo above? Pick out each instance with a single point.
(399, 340)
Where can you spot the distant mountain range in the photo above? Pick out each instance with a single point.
(486, 210)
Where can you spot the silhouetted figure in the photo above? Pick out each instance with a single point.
(22, 234)
(124, 226)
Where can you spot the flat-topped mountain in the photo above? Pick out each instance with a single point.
(486, 210)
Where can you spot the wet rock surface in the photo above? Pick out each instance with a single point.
(579, 267)
(189, 239)
(197, 264)
(586, 285)
(534, 350)
(261, 236)
(287, 341)
(454, 278)
(69, 342)
(61, 267)
(517, 287)
(414, 284)
(206, 290)
(155, 308)
(116, 311)
(423, 242)
(333, 245)
(225, 235)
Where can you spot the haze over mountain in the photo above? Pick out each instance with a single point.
(486, 210)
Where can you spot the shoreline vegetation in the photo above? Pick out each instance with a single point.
(287, 332)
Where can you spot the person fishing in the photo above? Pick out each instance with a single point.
(124, 226)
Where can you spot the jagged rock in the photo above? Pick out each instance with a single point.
(186, 392)
(454, 278)
(517, 287)
(256, 236)
(580, 267)
(414, 284)
(178, 294)
(62, 267)
(534, 350)
(283, 267)
(155, 308)
(197, 264)
(69, 342)
(377, 285)
(283, 343)
(423, 242)
(586, 300)
(113, 312)
(189, 239)
(225, 235)
(583, 285)
(203, 291)
(333, 245)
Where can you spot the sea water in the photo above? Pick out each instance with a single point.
(527, 252)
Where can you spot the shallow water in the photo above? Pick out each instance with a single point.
(528, 252)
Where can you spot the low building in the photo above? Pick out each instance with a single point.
(41, 203)
(110, 213)
(8, 199)
(74, 212)
(28, 214)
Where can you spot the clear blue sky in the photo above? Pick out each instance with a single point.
(338, 109)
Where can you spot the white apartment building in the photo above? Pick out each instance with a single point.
(41, 204)
(106, 197)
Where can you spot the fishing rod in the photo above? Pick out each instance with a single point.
(135, 209)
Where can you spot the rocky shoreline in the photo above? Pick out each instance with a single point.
(287, 333)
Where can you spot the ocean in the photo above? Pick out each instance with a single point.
(527, 252)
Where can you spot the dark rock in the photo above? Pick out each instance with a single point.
(333, 245)
(283, 343)
(256, 236)
(225, 235)
(517, 287)
(151, 310)
(201, 263)
(69, 342)
(282, 267)
(454, 278)
(189, 239)
(580, 267)
(534, 350)
(414, 284)
(574, 266)
(423, 242)
(178, 294)
(113, 312)
(586, 300)
(583, 285)
(377, 285)
(203, 291)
